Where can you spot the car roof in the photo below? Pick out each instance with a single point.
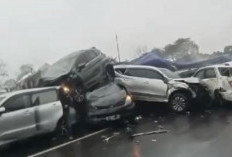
(10, 94)
(65, 64)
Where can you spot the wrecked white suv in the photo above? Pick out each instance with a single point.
(147, 83)
(218, 80)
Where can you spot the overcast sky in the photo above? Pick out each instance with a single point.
(39, 31)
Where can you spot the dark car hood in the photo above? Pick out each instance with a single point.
(61, 67)
(106, 96)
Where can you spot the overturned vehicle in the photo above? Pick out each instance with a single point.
(147, 83)
(78, 72)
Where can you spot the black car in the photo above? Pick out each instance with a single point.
(108, 103)
(78, 72)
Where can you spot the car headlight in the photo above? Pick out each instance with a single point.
(128, 98)
(66, 89)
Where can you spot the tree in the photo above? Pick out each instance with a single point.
(181, 47)
(3, 71)
(24, 70)
(228, 49)
(10, 84)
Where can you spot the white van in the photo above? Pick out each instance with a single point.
(29, 112)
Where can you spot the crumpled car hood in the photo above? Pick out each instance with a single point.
(106, 96)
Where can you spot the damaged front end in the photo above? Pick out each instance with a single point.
(200, 94)
(108, 103)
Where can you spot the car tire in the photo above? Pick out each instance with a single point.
(179, 102)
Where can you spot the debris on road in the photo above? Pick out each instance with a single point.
(106, 140)
(154, 140)
(149, 133)
(156, 121)
(104, 136)
(138, 118)
(160, 127)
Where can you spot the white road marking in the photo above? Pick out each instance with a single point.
(70, 142)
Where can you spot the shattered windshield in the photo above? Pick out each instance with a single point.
(225, 71)
(62, 67)
(169, 73)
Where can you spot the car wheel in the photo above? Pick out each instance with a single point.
(179, 102)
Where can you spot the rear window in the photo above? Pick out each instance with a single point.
(44, 97)
(225, 71)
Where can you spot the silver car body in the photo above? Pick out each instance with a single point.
(156, 88)
(28, 112)
(212, 77)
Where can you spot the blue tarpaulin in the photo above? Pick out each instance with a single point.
(155, 59)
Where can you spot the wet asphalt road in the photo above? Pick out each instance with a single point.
(200, 133)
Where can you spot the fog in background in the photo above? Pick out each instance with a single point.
(39, 31)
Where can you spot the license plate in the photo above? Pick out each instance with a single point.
(113, 117)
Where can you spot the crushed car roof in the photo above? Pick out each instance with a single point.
(64, 65)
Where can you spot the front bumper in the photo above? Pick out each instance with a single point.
(227, 95)
(111, 114)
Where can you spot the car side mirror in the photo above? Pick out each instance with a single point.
(81, 66)
(2, 109)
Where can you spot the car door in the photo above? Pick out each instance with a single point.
(156, 85)
(48, 110)
(208, 78)
(135, 83)
(18, 121)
